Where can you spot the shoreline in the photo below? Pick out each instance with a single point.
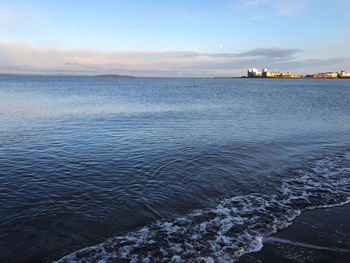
(319, 235)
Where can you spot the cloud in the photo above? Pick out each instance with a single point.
(258, 52)
(263, 52)
(330, 64)
(271, 52)
(25, 59)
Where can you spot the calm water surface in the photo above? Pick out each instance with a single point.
(156, 170)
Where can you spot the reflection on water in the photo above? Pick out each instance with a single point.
(23, 106)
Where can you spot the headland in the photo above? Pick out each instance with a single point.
(115, 76)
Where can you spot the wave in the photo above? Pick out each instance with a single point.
(235, 227)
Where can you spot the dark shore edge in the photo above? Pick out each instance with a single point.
(319, 235)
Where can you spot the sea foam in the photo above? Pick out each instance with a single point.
(234, 227)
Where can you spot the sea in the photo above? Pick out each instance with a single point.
(103, 169)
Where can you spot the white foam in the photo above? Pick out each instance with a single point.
(235, 227)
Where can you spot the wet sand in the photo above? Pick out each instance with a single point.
(320, 235)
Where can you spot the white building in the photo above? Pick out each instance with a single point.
(253, 73)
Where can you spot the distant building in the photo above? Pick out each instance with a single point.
(327, 75)
(270, 74)
(253, 73)
(344, 74)
(264, 72)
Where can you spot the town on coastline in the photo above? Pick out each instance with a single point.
(255, 73)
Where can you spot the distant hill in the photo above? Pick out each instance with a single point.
(114, 75)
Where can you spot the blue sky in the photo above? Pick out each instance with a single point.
(173, 38)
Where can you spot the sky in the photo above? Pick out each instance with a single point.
(177, 38)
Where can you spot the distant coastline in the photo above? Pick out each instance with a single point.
(284, 77)
(115, 76)
(255, 73)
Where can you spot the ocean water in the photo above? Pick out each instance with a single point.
(158, 170)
